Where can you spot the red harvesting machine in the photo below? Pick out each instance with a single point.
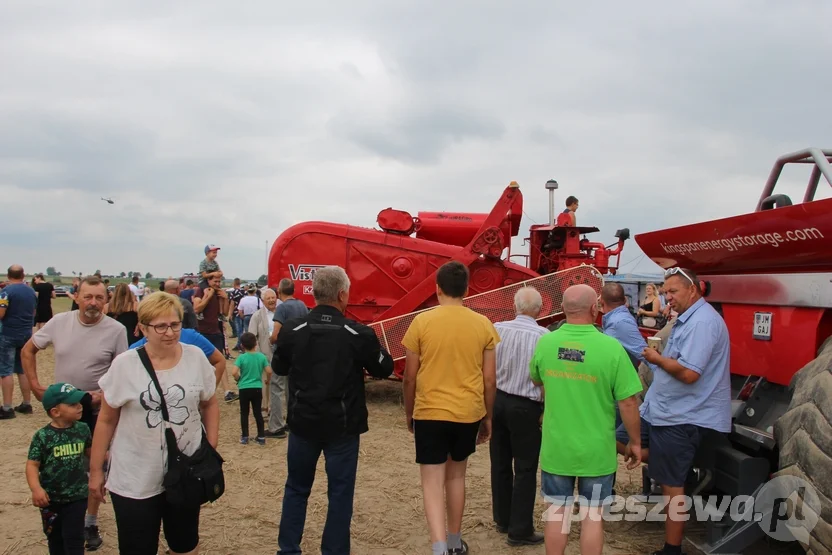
(392, 269)
(769, 274)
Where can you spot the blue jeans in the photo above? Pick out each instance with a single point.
(341, 465)
(237, 323)
(593, 491)
(10, 362)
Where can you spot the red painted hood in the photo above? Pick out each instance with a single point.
(782, 240)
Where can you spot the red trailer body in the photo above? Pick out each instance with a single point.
(768, 268)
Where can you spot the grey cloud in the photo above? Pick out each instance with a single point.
(544, 136)
(47, 151)
(418, 136)
(245, 119)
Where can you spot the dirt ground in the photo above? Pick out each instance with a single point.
(388, 516)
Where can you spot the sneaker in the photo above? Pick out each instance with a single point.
(244, 440)
(261, 440)
(459, 550)
(231, 397)
(92, 538)
(23, 408)
(6, 414)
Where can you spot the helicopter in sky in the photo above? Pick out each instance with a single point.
(108, 200)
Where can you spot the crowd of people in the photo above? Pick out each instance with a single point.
(567, 402)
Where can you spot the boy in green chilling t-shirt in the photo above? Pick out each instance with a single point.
(56, 470)
(248, 370)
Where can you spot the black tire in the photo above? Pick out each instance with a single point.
(804, 438)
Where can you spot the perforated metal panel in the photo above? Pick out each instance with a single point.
(498, 304)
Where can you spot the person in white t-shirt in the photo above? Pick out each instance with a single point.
(248, 305)
(131, 418)
(137, 288)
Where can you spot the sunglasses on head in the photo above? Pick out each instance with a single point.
(673, 271)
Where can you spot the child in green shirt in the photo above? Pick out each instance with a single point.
(248, 370)
(56, 471)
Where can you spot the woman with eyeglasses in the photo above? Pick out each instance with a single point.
(131, 418)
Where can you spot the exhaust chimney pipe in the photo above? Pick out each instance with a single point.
(551, 186)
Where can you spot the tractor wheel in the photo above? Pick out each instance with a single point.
(804, 437)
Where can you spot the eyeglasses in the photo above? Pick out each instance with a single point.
(163, 328)
(673, 271)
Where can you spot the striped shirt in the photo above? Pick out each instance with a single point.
(514, 352)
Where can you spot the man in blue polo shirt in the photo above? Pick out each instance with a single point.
(620, 324)
(691, 390)
(17, 313)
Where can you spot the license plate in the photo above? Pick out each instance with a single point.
(762, 326)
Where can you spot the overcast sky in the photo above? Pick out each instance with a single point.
(221, 122)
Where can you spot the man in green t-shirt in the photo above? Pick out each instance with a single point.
(583, 373)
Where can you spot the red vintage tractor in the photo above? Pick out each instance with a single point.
(769, 273)
(392, 269)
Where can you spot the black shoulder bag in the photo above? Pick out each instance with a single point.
(189, 480)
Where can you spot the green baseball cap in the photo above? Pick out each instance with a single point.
(59, 393)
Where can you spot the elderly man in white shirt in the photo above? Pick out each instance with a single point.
(516, 434)
(261, 325)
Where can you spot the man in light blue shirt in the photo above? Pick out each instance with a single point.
(620, 324)
(193, 337)
(691, 390)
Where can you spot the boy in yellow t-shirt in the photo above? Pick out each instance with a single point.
(450, 381)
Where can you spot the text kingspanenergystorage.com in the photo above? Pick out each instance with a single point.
(773, 239)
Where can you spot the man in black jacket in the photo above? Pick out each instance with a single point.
(324, 354)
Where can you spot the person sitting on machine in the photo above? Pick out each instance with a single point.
(567, 217)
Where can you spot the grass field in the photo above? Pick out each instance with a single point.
(388, 517)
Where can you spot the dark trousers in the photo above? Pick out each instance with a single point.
(515, 441)
(341, 465)
(251, 397)
(138, 522)
(64, 527)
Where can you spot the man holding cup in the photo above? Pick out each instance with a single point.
(691, 391)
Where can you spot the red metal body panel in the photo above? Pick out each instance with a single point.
(792, 342)
(450, 228)
(789, 239)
